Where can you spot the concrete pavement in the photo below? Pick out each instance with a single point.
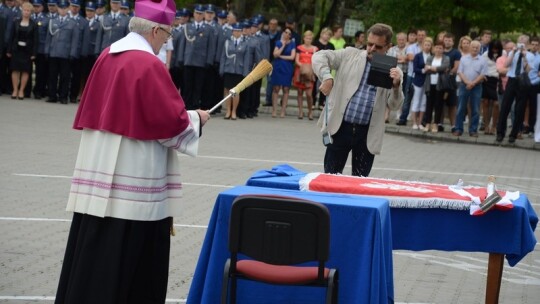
(38, 150)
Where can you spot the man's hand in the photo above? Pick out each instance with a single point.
(204, 116)
(396, 77)
(326, 86)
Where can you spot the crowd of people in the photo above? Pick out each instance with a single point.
(481, 81)
(211, 50)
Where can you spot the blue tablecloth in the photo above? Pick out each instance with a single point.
(508, 232)
(360, 247)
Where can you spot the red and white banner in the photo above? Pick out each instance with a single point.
(405, 194)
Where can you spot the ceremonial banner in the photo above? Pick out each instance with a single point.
(405, 194)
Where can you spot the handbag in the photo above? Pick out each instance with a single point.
(524, 81)
(446, 82)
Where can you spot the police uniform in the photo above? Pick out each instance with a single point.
(196, 53)
(261, 44)
(175, 70)
(88, 55)
(213, 91)
(61, 46)
(6, 27)
(42, 22)
(114, 27)
(247, 95)
(76, 63)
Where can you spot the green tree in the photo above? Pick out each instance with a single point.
(457, 16)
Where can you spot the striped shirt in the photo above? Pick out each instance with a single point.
(361, 104)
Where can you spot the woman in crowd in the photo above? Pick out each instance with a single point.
(22, 50)
(337, 40)
(303, 74)
(436, 65)
(233, 67)
(490, 104)
(323, 43)
(284, 56)
(464, 48)
(418, 105)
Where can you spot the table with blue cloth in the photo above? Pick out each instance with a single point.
(360, 248)
(499, 233)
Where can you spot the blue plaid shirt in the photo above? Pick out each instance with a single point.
(361, 104)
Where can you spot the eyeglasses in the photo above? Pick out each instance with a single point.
(169, 34)
(377, 47)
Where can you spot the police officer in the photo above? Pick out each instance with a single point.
(76, 63)
(233, 67)
(196, 53)
(245, 96)
(42, 21)
(261, 44)
(180, 21)
(61, 46)
(52, 8)
(114, 26)
(6, 27)
(100, 10)
(124, 8)
(212, 91)
(88, 56)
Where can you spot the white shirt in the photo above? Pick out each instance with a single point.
(167, 46)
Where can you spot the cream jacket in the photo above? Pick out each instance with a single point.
(349, 64)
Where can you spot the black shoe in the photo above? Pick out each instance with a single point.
(242, 116)
(37, 96)
(255, 115)
(511, 139)
(499, 138)
(401, 123)
(51, 100)
(440, 128)
(249, 115)
(63, 101)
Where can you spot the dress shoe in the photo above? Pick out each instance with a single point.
(13, 97)
(37, 96)
(249, 115)
(401, 123)
(255, 114)
(440, 128)
(473, 134)
(456, 133)
(242, 116)
(20, 98)
(511, 139)
(499, 138)
(63, 101)
(51, 100)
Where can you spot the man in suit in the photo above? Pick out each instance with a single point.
(196, 54)
(353, 115)
(61, 46)
(114, 26)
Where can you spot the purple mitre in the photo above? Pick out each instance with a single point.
(159, 11)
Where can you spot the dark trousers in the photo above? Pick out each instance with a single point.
(75, 81)
(255, 99)
(177, 76)
(194, 82)
(408, 92)
(40, 89)
(58, 78)
(512, 92)
(209, 92)
(6, 86)
(349, 137)
(533, 92)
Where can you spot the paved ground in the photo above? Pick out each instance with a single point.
(38, 150)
